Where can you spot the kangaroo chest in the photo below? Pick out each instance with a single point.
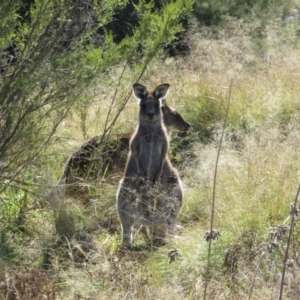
(150, 152)
(150, 147)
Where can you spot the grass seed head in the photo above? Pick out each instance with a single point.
(214, 235)
(173, 254)
(268, 248)
(277, 233)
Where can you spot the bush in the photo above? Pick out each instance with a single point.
(51, 60)
(210, 12)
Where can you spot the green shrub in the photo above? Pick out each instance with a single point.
(57, 59)
(210, 12)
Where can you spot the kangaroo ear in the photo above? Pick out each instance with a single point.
(163, 103)
(139, 91)
(161, 91)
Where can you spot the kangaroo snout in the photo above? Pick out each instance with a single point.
(188, 126)
(150, 114)
(150, 109)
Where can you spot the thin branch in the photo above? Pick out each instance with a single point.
(256, 271)
(127, 97)
(110, 107)
(288, 245)
(25, 190)
(30, 158)
(214, 190)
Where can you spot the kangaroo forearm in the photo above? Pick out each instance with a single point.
(159, 172)
(139, 169)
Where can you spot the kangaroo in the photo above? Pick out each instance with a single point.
(91, 161)
(171, 186)
(172, 119)
(168, 199)
(156, 201)
(149, 145)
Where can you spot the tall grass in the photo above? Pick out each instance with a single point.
(258, 175)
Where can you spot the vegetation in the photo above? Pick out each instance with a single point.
(210, 12)
(63, 82)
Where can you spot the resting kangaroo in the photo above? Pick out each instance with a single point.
(156, 201)
(91, 160)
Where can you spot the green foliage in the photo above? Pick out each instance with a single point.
(6, 248)
(210, 12)
(9, 17)
(13, 208)
(287, 110)
(205, 111)
(58, 56)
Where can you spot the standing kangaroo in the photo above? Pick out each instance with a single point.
(149, 145)
(150, 202)
(92, 159)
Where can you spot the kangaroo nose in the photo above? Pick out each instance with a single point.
(151, 115)
(150, 110)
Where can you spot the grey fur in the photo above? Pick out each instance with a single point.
(150, 192)
(149, 145)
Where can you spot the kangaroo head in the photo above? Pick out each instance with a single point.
(173, 119)
(150, 102)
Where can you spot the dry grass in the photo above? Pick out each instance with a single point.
(257, 180)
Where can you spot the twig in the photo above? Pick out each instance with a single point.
(256, 271)
(107, 129)
(214, 190)
(288, 245)
(111, 104)
(274, 279)
(38, 150)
